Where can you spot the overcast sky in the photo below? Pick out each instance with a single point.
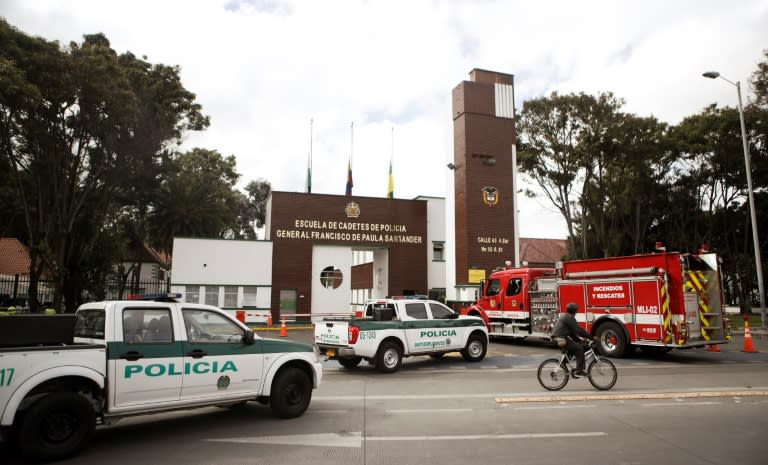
(262, 69)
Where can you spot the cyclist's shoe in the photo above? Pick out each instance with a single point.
(579, 373)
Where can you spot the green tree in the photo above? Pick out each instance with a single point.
(711, 170)
(198, 198)
(548, 131)
(627, 164)
(74, 120)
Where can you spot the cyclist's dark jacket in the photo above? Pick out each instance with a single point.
(566, 326)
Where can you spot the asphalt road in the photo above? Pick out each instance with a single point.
(687, 407)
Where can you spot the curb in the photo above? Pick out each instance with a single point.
(656, 395)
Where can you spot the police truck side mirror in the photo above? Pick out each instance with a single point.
(248, 338)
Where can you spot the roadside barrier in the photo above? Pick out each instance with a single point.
(292, 320)
(748, 345)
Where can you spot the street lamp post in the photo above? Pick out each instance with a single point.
(758, 262)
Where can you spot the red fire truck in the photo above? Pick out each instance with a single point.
(656, 301)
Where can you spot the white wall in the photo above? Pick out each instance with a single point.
(215, 263)
(221, 261)
(380, 274)
(328, 300)
(435, 233)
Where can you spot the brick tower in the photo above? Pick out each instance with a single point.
(483, 136)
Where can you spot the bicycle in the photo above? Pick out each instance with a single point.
(554, 373)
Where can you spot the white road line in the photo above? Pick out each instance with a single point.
(443, 410)
(474, 437)
(520, 369)
(355, 439)
(715, 391)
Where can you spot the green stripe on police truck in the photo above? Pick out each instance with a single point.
(415, 324)
(116, 350)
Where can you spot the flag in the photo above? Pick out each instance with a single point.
(309, 180)
(391, 185)
(349, 178)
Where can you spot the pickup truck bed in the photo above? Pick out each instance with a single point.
(35, 330)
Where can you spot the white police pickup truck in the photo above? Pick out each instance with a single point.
(135, 357)
(395, 328)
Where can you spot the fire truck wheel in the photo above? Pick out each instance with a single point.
(389, 357)
(612, 343)
(350, 362)
(291, 393)
(56, 426)
(475, 349)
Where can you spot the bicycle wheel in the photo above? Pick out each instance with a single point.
(602, 374)
(552, 375)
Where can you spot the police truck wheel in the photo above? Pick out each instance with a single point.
(389, 357)
(612, 343)
(350, 362)
(55, 427)
(475, 349)
(291, 393)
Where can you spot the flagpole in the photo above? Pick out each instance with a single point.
(309, 168)
(390, 180)
(351, 152)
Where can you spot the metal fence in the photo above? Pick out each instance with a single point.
(14, 290)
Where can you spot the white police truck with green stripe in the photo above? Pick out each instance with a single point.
(133, 357)
(395, 328)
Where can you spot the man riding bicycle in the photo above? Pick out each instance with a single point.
(568, 334)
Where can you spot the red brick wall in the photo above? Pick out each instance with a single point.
(478, 136)
(375, 227)
(362, 276)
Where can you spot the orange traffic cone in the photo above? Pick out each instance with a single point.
(283, 331)
(713, 348)
(748, 345)
(269, 320)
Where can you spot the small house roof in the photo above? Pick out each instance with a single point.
(542, 252)
(14, 257)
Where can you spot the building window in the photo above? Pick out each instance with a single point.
(192, 294)
(230, 296)
(514, 286)
(331, 277)
(249, 296)
(212, 295)
(437, 251)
